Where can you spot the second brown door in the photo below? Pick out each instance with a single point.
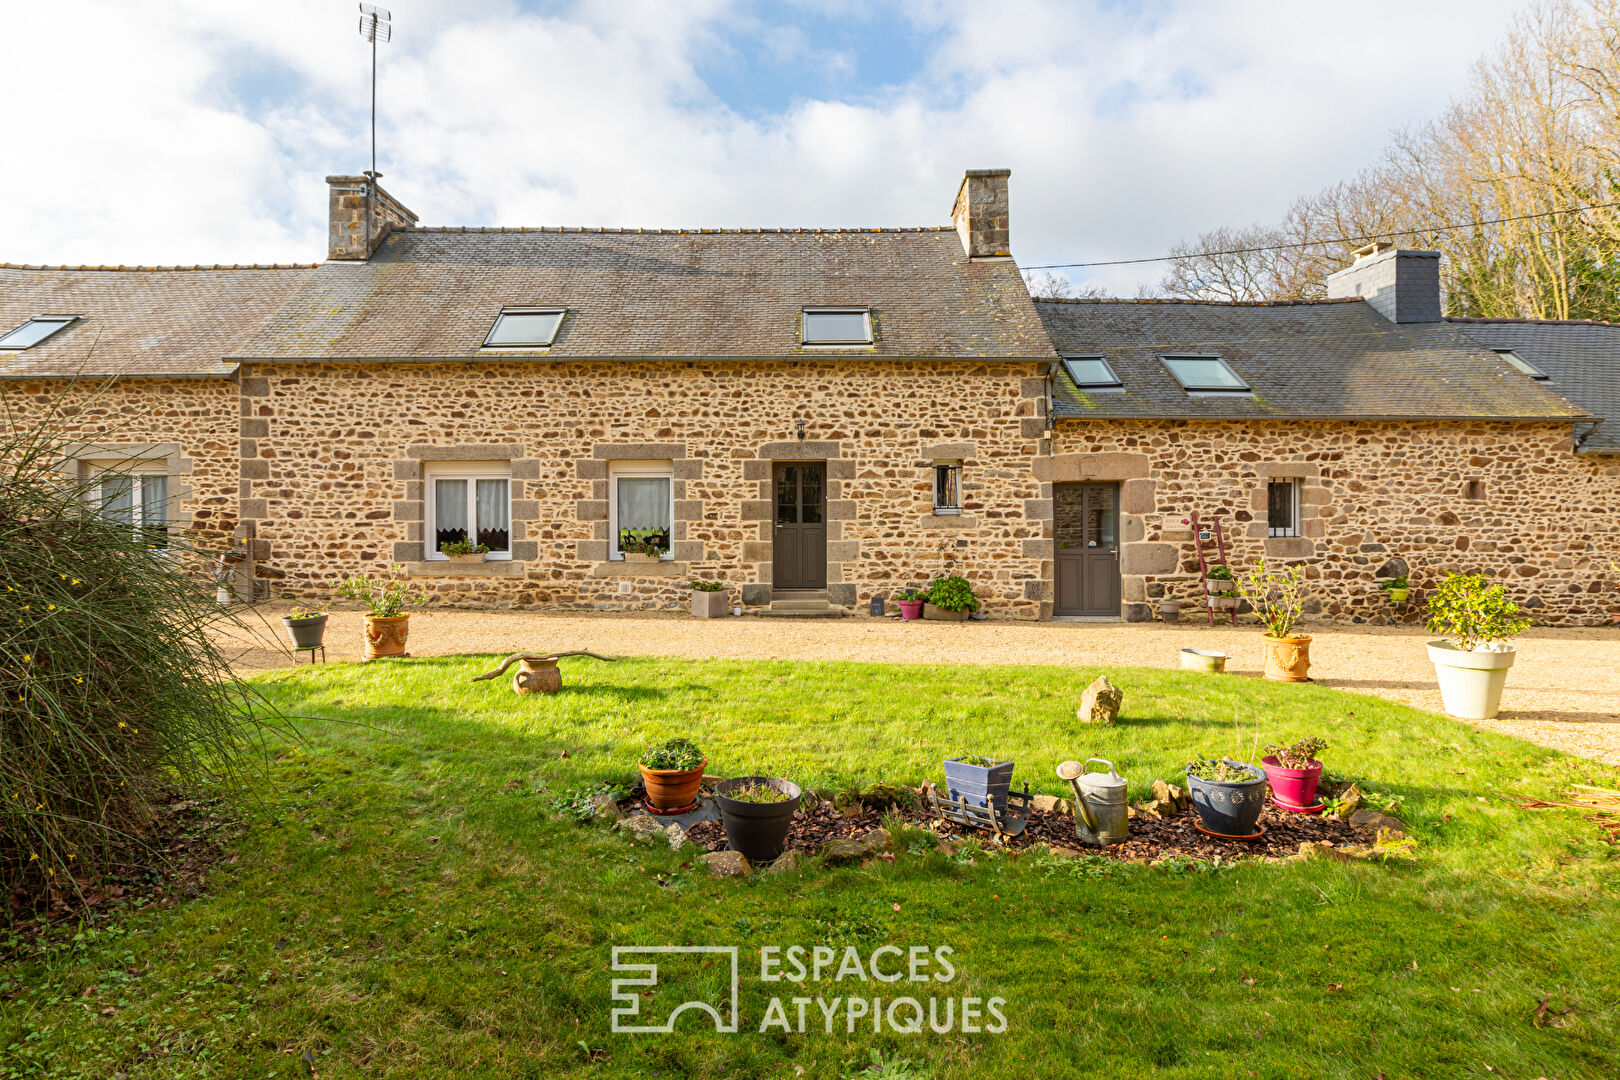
(800, 535)
(1086, 526)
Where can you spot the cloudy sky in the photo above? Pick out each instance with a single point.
(182, 131)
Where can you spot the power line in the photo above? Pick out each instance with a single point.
(1335, 240)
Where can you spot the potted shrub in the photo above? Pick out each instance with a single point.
(1472, 665)
(463, 551)
(306, 627)
(910, 602)
(950, 599)
(1279, 600)
(643, 545)
(1221, 585)
(385, 598)
(672, 772)
(1228, 795)
(709, 599)
(981, 781)
(1292, 771)
(1398, 588)
(757, 812)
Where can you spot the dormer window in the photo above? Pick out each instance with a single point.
(1520, 363)
(1091, 373)
(36, 330)
(525, 328)
(837, 326)
(1205, 375)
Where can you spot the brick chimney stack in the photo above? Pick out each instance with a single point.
(1404, 286)
(980, 214)
(360, 214)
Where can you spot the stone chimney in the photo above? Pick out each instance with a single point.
(360, 215)
(980, 214)
(1403, 285)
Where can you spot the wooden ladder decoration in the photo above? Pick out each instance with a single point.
(1203, 566)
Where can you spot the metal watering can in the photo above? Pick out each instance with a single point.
(1100, 809)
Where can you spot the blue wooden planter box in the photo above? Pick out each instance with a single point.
(980, 785)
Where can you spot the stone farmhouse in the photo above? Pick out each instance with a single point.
(816, 417)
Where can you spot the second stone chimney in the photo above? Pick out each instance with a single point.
(1404, 286)
(360, 214)
(980, 214)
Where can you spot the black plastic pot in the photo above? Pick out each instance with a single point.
(980, 785)
(305, 633)
(1231, 809)
(758, 830)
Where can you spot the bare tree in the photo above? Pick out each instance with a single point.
(1048, 285)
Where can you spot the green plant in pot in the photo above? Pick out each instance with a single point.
(757, 814)
(980, 780)
(1477, 619)
(643, 545)
(386, 598)
(710, 599)
(672, 772)
(1228, 795)
(1398, 587)
(306, 627)
(1293, 770)
(463, 551)
(910, 602)
(1278, 597)
(1221, 585)
(950, 598)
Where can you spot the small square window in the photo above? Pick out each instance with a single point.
(948, 488)
(34, 331)
(1206, 374)
(1282, 508)
(1474, 491)
(1520, 363)
(525, 328)
(1091, 373)
(837, 326)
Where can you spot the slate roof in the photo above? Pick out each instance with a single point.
(1581, 358)
(140, 320)
(434, 293)
(1333, 359)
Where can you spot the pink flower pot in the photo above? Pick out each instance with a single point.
(910, 609)
(1292, 789)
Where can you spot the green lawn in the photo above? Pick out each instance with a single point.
(406, 904)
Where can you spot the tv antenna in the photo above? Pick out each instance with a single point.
(376, 24)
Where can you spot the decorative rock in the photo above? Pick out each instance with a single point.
(641, 826)
(881, 796)
(1173, 798)
(1322, 849)
(788, 860)
(1372, 821)
(855, 848)
(675, 835)
(1101, 701)
(1152, 811)
(605, 806)
(1051, 804)
(727, 864)
(1349, 798)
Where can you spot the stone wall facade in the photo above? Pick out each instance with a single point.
(334, 457)
(1510, 499)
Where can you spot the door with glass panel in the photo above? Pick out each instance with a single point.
(800, 533)
(476, 508)
(1086, 527)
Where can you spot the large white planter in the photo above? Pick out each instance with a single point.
(1470, 682)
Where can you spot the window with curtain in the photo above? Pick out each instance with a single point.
(642, 505)
(470, 503)
(141, 501)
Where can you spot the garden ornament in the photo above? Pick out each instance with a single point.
(1100, 810)
(537, 672)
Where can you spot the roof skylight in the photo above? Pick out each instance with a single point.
(837, 326)
(1520, 363)
(1091, 373)
(525, 328)
(36, 330)
(1205, 374)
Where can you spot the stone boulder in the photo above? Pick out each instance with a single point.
(1100, 703)
(642, 827)
(1051, 804)
(1371, 821)
(855, 848)
(727, 863)
(1169, 795)
(788, 860)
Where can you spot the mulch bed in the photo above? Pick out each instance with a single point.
(1149, 840)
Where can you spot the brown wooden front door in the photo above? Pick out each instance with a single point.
(1086, 527)
(800, 552)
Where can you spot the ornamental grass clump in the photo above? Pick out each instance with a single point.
(112, 696)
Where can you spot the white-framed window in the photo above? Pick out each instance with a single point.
(469, 501)
(947, 487)
(139, 499)
(641, 504)
(1282, 508)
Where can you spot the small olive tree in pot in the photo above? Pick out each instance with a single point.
(1279, 599)
(1477, 620)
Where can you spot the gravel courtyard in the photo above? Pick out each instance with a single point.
(1563, 692)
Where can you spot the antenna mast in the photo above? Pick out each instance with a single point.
(376, 24)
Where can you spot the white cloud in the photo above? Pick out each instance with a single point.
(185, 131)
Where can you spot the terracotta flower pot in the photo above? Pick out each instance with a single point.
(1287, 659)
(386, 636)
(1292, 789)
(912, 609)
(672, 789)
